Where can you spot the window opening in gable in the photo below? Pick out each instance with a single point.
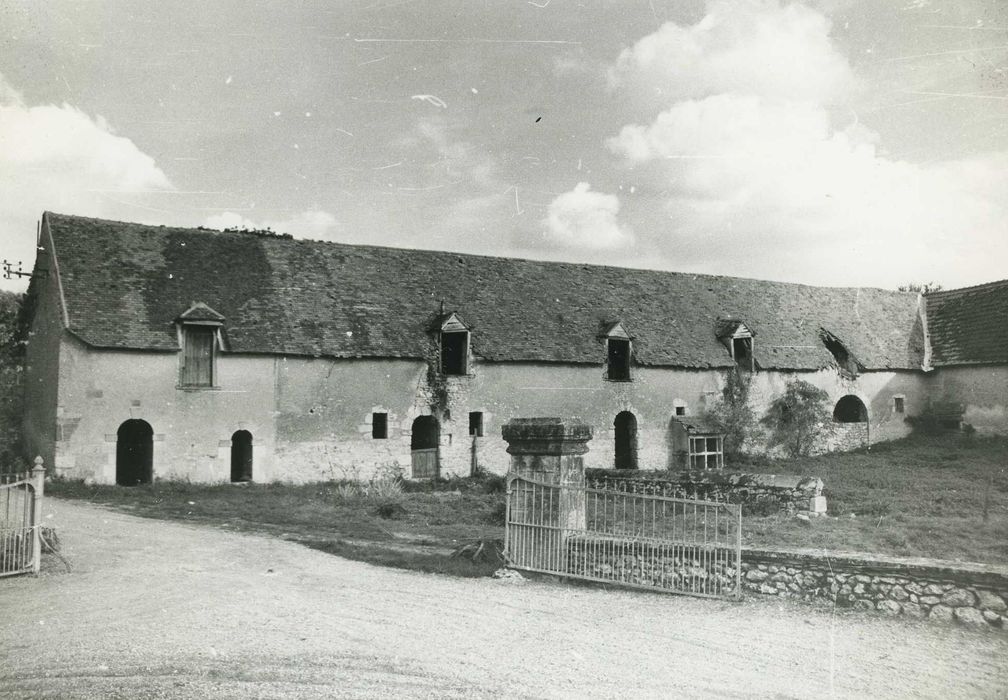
(618, 351)
(379, 426)
(454, 352)
(899, 405)
(742, 352)
(476, 423)
(198, 355)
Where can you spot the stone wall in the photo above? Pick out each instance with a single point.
(969, 594)
(786, 492)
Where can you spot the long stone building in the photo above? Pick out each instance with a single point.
(159, 352)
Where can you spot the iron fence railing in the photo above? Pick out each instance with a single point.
(615, 532)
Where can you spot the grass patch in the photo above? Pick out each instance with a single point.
(923, 496)
(916, 497)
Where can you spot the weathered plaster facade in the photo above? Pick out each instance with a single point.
(310, 418)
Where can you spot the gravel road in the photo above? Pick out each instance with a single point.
(156, 609)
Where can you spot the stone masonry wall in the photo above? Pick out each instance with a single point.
(934, 590)
(787, 492)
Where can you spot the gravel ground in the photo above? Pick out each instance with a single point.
(157, 609)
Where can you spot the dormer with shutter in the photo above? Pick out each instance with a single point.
(200, 337)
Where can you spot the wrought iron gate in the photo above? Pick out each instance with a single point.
(19, 550)
(610, 535)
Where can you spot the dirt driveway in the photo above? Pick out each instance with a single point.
(156, 609)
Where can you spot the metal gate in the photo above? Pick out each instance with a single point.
(610, 535)
(19, 550)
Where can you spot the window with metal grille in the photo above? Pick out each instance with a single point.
(198, 356)
(379, 426)
(706, 452)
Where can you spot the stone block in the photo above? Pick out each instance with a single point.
(959, 597)
(766, 589)
(817, 505)
(987, 600)
(942, 613)
(898, 593)
(992, 617)
(929, 600)
(912, 610)
(971, 617)
(889, 607)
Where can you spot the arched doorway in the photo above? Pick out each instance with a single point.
(241, 456)
(424, 447)
(850, 409)
(625, 428)
(134, 453)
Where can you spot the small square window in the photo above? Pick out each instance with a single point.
(379, 426)
(476, 423)
(680, 410)
(898, 405)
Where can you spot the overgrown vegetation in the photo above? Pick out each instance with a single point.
(799, 419)
(733, 414)
(12, 335)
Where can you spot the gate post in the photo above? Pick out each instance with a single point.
(38, 484)
(549, 450)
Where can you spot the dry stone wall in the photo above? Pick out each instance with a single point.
(785, 492)
(971, 595)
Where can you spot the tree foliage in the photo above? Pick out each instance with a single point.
(732, 412)
(799, 419)
(920, 287)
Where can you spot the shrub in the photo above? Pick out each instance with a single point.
(732, 412)
(799, 419)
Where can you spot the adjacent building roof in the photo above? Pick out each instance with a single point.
(969, 326)
(125, 284)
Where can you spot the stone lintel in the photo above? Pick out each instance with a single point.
(546, 436)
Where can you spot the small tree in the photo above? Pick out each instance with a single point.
(732, 412)
(799, 418)
(920, 288)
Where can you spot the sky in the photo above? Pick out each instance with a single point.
(834, 142)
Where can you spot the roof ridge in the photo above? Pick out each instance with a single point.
(282, 237)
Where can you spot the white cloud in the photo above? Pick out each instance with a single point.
(314, 224)
(740, 47)
(585, 220)
(58, 158)
(752, 172)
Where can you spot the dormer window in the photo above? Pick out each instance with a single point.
(454, 345)
(618, 352)
(199, 329)
(738, 338)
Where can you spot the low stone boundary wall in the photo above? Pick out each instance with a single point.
(970, 594)
(786, 492)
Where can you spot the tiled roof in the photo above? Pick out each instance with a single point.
(970, 325)
(125, 284)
